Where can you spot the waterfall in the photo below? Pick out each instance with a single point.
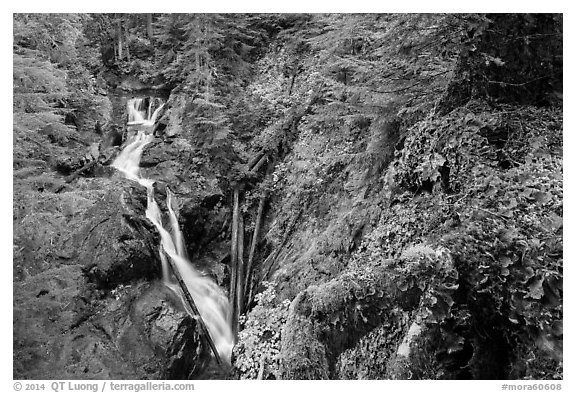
(143, 111)
(135, 113)
(210, 299)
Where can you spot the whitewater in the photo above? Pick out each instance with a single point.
(210, 299)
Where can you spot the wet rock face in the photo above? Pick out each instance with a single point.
(88, 302)
(101, 228)
(131, 84)
(169, 163)
(137, 331)
(203, 221)
(117, 244)
(149, 325)
(196, 180)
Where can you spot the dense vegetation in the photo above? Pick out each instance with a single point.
(408, 193)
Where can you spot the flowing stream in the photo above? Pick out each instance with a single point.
(210, 299)
(143, 111)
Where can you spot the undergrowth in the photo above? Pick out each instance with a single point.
(258, 345)
(486, 183)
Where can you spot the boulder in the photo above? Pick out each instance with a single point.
(116, 243)
(70, 330)
(383, 315)
(88, 302)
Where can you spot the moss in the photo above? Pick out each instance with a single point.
(303, 356)
(328, 319)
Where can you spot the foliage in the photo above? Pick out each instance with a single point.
(489, 188)
(259, 340)
(40, 90)
(514, 58)
(200, 51)
(49, 76)
(52, 64)
(409, 54)
(55, 35)
(329, 142)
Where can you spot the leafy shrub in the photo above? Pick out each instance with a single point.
(259, 340)
(487, 185)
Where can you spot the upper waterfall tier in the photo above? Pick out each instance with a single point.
(144, 110)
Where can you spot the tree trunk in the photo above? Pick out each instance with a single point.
(149, 30)
(234, 259)
(126, 41)
(207, 71)
(240, 273)
(192, 305)
(247, 285)
(292, 80)
(260, 163)
(119, 38)
(254, 160)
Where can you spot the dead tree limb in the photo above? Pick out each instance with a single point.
(240, 272)
(79, 171)
(255, 160)
(234, 257)
(194, 309)
(247, 285)
(261, 371)
(80, 141)
(259, 164)
(248, 279)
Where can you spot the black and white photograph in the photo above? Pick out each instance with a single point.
(286, 196)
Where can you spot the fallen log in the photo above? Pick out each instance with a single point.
(240, 268)
(77, 173)
(254, 160)
(194, 309)
(247, 284)
(259, 164)
(80, 141)
(234, 259)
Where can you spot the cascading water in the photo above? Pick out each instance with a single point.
(210, 299)
(143, 111)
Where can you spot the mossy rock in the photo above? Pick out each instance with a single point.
(326, 320)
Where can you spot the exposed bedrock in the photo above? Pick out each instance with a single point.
(88, 301)
(71, 330)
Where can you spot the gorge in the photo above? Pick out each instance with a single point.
(212, 303)
(287, 196)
